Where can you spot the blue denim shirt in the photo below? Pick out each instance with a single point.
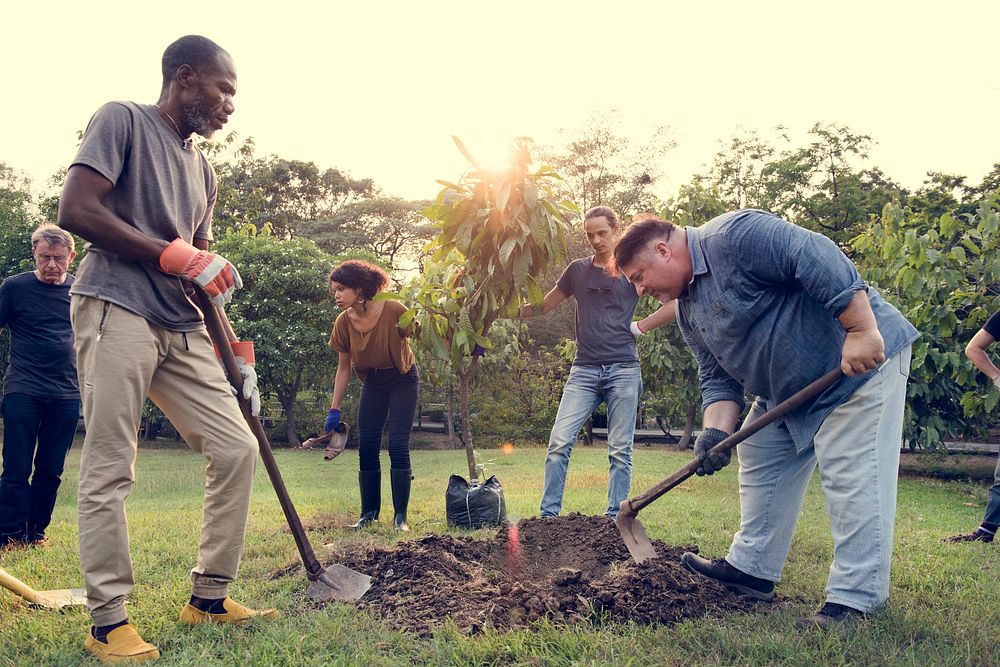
(761, 311)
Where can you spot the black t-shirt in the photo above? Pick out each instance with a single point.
(992, 326)
(42, 358)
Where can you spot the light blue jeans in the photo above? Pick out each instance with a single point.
(857, 450)
(618, 385)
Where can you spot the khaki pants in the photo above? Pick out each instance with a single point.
(122, 358)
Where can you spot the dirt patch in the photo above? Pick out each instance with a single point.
(568, 569)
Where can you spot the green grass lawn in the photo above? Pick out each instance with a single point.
(944, 603)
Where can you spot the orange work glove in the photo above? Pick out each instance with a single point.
(212, 272)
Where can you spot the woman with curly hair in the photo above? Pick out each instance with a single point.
(366, 336)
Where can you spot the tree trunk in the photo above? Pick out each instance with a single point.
(288, 403)
(463, 405)
(449, 415)
(688, 426)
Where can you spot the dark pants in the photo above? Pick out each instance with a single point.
(26, 506)
(387, 398)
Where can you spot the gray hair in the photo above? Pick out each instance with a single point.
(53, 235)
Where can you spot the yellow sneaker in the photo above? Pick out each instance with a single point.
(235, 613)
(124, 645)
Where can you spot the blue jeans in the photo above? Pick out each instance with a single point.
(993, 504)
(26, 504)
(857, 451)
(387, 397)
(618, 385)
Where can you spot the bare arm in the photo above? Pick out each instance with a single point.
(864, 348)
(82, 212)
(976, 352)
(341, 379)
(551, 300)
(663, 315)
(722, 415)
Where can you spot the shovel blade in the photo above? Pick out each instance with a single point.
(67, 597)
(338, 582)
(634, 535)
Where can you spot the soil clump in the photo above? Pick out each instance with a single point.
(567, 569)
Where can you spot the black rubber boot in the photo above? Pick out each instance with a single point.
(370, 482)
(400, 496)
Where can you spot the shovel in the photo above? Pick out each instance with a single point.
(336, 582)
(633, 532)
(47, 599)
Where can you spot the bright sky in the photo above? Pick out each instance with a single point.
(376, 88)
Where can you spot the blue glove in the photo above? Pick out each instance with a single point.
(332, 420)
(709, 438)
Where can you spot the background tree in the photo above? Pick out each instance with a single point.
(276, 191)
(498, 231)
(390, 228)
(18, 219)
(601, 166)
(944, 275)
(821, 186)
(285, 308)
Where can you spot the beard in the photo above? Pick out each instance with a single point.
(198, 116)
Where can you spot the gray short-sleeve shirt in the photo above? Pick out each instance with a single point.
(161, 188)
(605, 307)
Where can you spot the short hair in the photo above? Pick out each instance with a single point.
(200, 53)
(636, 239)
(53, 235)
(363, 276)
(606, 211)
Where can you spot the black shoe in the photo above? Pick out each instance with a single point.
(727, 575)
(370, 482)
(980, 535)
(831, 614)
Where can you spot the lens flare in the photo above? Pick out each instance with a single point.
(513, 547)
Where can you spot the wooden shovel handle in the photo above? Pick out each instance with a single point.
(18, 587)
(217, 333)
(780, 410)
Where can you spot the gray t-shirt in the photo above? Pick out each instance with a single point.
(162, 189)
(605, 306)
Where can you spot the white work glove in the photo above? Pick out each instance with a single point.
(636, 331)
(996, 382)
(243, 351)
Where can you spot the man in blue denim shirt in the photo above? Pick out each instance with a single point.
(606, 367)
(767, 307)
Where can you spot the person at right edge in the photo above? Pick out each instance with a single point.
(366, 335)
(976, 352)
(768, 307)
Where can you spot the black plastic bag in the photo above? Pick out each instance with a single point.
(475, 505)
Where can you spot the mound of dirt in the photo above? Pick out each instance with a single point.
(567, 569)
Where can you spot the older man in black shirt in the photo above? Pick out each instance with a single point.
(41, 399)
